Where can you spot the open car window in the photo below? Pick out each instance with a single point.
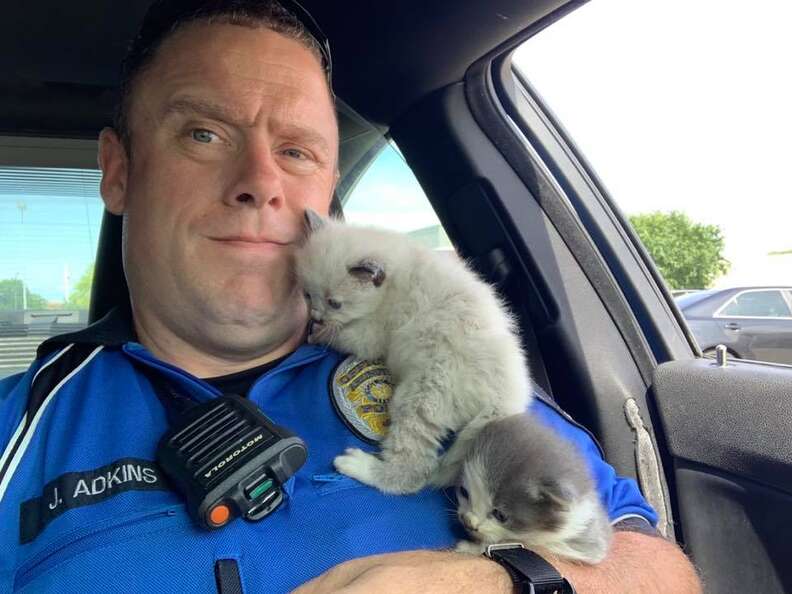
(687, 140)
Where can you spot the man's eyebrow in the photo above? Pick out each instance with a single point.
(194, 105)
(304, 134)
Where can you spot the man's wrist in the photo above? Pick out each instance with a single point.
(529, 570)
(496, 575)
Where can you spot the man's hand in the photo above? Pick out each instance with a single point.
(635, 563)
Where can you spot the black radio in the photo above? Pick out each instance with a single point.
(229, 460)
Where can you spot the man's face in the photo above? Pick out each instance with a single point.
(233, 137)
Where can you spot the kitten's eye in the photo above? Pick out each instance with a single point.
(307, 296)
(464, 493)
(499, 515)
(333, 303)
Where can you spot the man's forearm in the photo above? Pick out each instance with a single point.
(635, 563)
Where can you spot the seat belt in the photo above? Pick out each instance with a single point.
(46, 382)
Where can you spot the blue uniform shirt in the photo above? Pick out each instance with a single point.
(85, 510)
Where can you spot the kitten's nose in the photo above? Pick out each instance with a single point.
(470, 521)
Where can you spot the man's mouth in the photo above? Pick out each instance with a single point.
(252, 245)
(252, 240)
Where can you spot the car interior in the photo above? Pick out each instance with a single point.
(709, 445)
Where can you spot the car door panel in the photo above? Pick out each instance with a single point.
(727, 435)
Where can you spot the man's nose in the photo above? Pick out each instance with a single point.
(259, 181)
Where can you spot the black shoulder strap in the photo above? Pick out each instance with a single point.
(47, 379)
(175, 403)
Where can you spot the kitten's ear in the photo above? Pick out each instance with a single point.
(558, 493)
(368, 271)
(313, 221)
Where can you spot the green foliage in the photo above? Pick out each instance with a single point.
(80, 297)
(689, 255)
(11, 297)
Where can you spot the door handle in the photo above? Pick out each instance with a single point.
(732, 325)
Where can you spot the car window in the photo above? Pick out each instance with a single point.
(49, 228)
(763, 304)
(689, 138)
(388, 195)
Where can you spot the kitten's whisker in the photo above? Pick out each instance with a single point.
(333, 335)
(447, 496)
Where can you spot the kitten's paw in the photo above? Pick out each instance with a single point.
(357, 464)
(467, 546)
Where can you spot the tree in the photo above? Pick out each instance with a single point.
(689, 255)
(11, 297)
(80, 297)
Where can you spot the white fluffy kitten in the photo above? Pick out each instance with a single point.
(448, 341)
(521, 482)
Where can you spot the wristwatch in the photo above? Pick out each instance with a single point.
(529, 572)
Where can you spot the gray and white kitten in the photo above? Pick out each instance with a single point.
(523, 483)
(448, 341)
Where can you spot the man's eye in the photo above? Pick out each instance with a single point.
(295, 154)
(202, 135)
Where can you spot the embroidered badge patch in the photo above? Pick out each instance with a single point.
(75, 489)
(360, 391)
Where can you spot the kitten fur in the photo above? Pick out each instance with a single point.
(448, 341)
(523, 483)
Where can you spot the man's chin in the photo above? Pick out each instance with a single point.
(242, 328)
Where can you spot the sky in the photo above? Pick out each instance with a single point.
(48, 241)
(686, 105)
(51, 241)
(388, 195)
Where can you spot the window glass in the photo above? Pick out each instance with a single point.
(765, 304)
(49, 228)
(686, 120)
(389, 196)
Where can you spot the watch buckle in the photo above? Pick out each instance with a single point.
(501, 546)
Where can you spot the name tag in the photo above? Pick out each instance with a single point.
(76, 489)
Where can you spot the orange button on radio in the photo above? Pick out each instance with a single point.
(219, 514)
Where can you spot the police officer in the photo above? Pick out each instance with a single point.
(226, 133)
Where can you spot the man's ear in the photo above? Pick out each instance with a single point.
(114, 163)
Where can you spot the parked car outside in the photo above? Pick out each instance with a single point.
(752, 322)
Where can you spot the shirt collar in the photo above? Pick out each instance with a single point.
(114, 329)
(117, 329)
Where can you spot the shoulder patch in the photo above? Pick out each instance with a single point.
(360, 391)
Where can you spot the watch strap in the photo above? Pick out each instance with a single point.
(530, 571)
